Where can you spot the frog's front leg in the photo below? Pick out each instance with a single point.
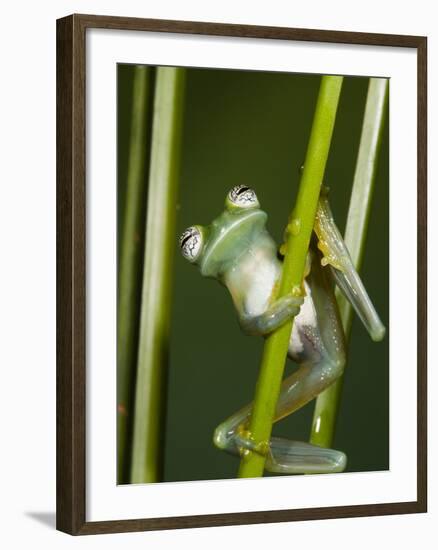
(281, 310)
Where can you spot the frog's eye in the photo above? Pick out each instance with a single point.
(243, 197)
(191, 243)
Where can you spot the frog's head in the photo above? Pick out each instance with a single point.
(215, 247)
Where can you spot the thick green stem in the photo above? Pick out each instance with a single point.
(156, 295)
(297, 243)
(129, 275)
(327, 404)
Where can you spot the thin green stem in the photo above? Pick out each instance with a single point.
(158, 268)
(129, 275)
(327, 404)
(299, 231)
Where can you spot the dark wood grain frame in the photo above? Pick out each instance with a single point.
(71, 270)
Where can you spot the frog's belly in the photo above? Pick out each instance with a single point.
(305, 339)
(259, 287)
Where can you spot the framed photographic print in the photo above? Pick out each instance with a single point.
(289, 166)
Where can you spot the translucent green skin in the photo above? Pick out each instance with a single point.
(238, 251)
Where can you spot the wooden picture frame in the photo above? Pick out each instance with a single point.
(71, 272)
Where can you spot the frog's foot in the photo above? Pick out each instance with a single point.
(282, 455)
(234, 437)
(336, 255)
(296, 457)
(226, 433)
(246, 443)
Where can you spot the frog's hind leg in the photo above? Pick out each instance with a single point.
(337, 256)
(283, 455)
(318, 347)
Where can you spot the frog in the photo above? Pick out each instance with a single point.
(237, 250)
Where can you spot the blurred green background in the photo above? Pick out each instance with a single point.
(252, 128)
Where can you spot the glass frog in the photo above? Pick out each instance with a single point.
(237, 250)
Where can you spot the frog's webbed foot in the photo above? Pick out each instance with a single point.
(281, 310)
(295, 457)
(283, 456)
(337, 256)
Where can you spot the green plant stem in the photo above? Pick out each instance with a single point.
(156, 299)
(129, 275)
(327, 404)
(298, 237)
